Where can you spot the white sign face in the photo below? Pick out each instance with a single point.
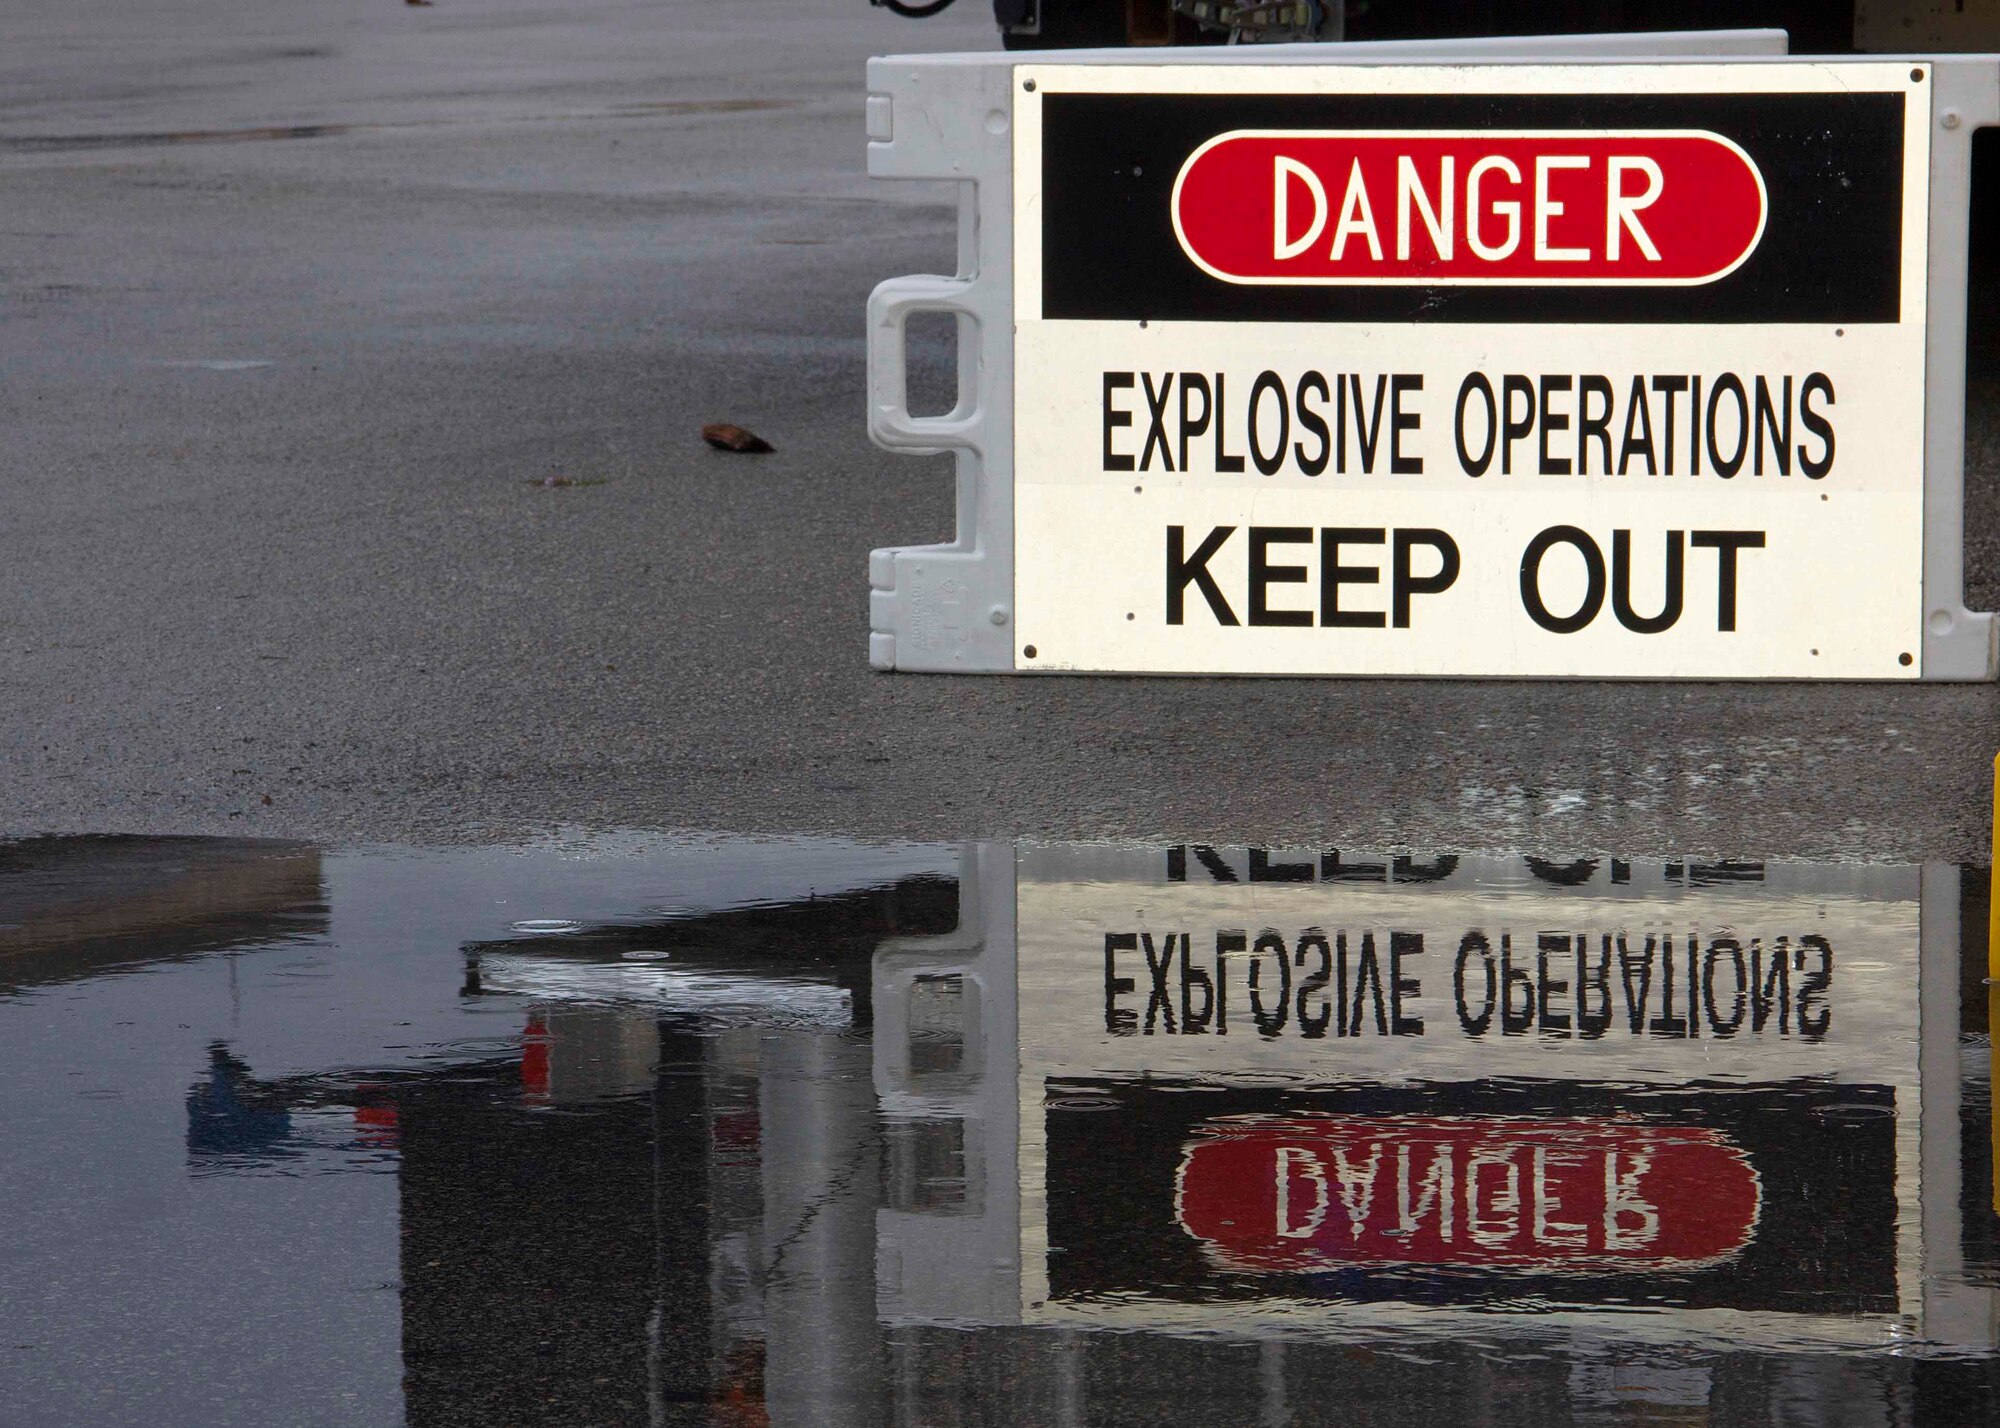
(1598, 370)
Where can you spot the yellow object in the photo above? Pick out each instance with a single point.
(1993, 902)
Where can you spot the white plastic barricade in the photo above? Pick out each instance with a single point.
(1634, 356)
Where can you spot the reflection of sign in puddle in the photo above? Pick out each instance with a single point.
(1557, 983)
(1423, 1098)
(1737, 1200)
(1557, 1196)
(1648, 1098)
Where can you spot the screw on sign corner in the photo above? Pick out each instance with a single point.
(1906, 659)
(1028, 651)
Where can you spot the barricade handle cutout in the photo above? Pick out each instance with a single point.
(890, 424)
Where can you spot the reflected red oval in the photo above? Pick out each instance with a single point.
(1306, 1193)
(1640, 207)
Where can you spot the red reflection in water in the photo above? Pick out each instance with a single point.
(1304, 1193)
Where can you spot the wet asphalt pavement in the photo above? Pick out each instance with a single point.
(630, 1129)
(300, 307)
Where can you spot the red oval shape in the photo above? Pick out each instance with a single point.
(1298, 1194)
(1446, 207)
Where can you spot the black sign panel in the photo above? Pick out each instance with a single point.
(1831, 164)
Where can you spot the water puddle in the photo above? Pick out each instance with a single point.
(728, 1131)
